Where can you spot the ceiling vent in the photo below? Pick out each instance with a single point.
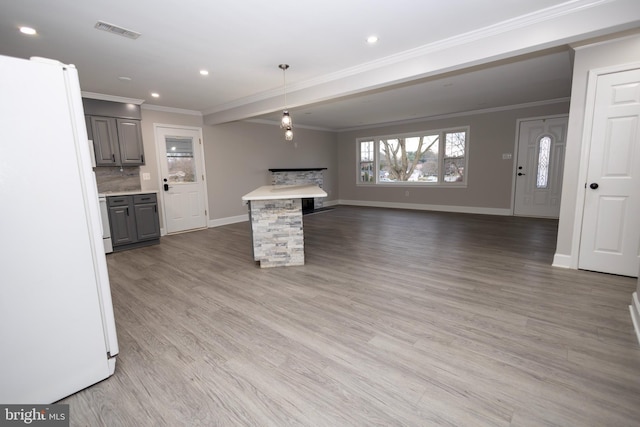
(114, 29)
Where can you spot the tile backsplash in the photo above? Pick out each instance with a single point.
(113, 179)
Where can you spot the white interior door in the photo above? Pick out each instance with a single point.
(183, 188)
(540, 163)
(610, 237)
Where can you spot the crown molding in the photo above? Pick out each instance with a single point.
(113, 98)
(171, 110)
(424, 118)
(459, 114)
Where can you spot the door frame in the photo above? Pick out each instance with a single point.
(516, 150)
(585, 151)
(163, 222)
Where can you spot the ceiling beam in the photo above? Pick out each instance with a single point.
(569, 22)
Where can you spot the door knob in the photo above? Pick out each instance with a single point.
(520, 174)
(593, 185)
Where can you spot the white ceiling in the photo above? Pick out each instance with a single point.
(433, 57)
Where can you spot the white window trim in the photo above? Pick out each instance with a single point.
(376, 162)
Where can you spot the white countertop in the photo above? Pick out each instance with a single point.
(126, 193)
(273, 192)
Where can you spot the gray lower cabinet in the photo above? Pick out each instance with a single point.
(133, 220)
(145, 208)
(121, 220)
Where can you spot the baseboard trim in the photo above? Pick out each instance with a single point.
(564, 261)
(414, 206)
(425, 207)
(228, 220)
(634, 308)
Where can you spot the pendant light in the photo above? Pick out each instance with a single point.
(286, 123)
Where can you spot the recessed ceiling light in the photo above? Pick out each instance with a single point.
(372, 39)
(204, 72)
(124, 79)
(155, 94)
(28, 31)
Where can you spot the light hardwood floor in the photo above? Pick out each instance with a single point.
(399, 317)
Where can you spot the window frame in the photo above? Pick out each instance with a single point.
(441, 159)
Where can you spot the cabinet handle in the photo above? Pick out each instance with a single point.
(142, 158)
(113, 156)
(127, 211)
(155, 208)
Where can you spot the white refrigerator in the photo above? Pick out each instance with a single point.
(57, 328)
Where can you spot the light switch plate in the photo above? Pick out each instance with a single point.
(507, 156)
(146, 176)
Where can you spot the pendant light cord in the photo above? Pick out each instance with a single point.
(284, 67)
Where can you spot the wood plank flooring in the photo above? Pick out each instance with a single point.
(398, 318)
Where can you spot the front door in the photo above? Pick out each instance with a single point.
(540, 162)
(183, 186)
(610, 237)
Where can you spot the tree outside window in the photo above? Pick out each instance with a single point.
(429, 158)
(454, 156)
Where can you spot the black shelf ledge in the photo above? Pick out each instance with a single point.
(297, 169)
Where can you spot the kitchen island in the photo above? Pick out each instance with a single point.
(275, 214)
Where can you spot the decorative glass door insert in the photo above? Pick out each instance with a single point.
(544, 155)
(181, 163)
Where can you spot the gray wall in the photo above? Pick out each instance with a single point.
(489, 176)
(238, 156)
(149, 117)
(621, 51)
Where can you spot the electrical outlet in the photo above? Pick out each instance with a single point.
(406, 193)
(146, 176)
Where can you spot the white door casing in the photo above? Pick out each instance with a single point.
(539, 166)
(610, 233)
(182, 176)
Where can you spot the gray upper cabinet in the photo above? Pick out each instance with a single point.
(105, 141)
(116, 132)
(130, 142)
(117, 142)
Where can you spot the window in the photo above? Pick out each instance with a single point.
(426, 158)
(367, 169)
(544, 155)
(180, 161)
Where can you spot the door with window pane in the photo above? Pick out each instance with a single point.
(539, 167)
(183, 187)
